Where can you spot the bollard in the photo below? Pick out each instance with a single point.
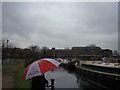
(52, 84)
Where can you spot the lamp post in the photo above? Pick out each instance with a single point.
(7, 51)
(7, 43)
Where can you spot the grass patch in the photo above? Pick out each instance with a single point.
(15, 71)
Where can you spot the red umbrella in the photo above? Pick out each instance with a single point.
(39, 67)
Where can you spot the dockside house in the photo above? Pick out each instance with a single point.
(106, 53)
(87, 53)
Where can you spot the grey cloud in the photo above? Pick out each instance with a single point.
(62, 24)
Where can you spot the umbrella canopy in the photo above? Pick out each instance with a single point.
(39, 67)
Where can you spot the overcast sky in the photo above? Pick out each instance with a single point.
(60, 24)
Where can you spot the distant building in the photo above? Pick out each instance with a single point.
(87, 53)
(82, 53)
(60, 53)
(106, 53)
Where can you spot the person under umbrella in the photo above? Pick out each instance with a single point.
(36, 70)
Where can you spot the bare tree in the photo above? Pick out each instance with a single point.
(92, 45)
(34, 48)
(34, 51)
(7, 47)
(6, 43)
(44, 51)
(4, 40)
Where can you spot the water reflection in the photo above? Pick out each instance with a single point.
(69, 79)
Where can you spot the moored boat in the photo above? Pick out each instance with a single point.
(107, 74)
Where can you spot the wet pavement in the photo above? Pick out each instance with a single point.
(66, 79)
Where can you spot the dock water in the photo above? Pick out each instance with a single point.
(70, 79)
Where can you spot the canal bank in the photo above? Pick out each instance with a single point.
(107, 79)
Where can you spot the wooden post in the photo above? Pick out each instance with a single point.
(52, 84)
